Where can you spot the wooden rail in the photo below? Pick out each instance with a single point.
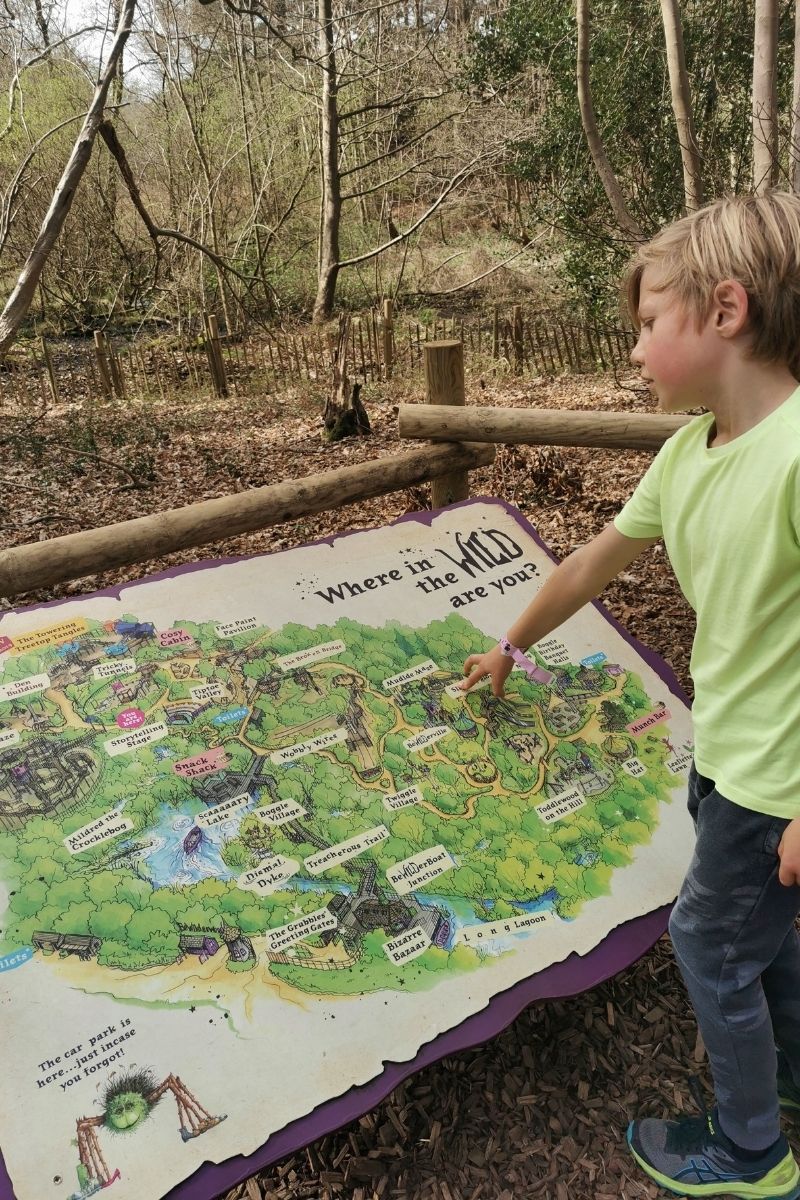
(43, 564)
(542, 426)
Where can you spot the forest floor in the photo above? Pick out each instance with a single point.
(541, 1110)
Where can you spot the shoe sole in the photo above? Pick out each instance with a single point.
(745, 1191)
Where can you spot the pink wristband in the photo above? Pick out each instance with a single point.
(534, 672)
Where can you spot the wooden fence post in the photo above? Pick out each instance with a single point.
(517, 333)
(48, 362)
(444, 384)
(388, 338)
(496, 331)
(102, 364)
(214, 349)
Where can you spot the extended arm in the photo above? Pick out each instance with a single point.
(577, 580)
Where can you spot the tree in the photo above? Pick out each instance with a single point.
(682, 105)
(19, 301)
(765, 96)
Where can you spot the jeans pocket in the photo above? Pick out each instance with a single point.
(772, 838)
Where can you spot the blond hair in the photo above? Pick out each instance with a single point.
(754, 240)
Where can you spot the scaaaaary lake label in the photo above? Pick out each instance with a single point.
(409, 795)
(561, 806)
(24, 687)
(407, 946)
(139, 737)
(419, 672)
(419, 869)
(269, 875)
(321, 742)
(314, 922)
(110, 825)
(110, 670)
(317, 863)
(290, 662)
(427, 737)
(280, 812)
(222, 811)
(473, 935)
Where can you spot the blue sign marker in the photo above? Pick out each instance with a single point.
(229, 717)
(594, 660)
(9, 961)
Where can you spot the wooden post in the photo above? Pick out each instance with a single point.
(444, 384)
(48, 362)
(102, 363)
(519, 350)
(496, 331)
(538, 427)
(388, 338)
(215, 354)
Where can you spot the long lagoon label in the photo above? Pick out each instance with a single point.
(289, 662)
(321, 742)
(419, 672)
(419, 869)
(473, 935)
(317, 863)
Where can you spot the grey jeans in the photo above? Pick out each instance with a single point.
(733, 931)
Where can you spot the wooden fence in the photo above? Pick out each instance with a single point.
(512, 339)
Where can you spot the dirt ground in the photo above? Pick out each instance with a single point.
(541, 1110)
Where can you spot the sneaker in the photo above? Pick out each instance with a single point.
(692, 1157)
(788, 1091)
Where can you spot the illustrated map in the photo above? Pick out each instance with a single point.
(252, 798)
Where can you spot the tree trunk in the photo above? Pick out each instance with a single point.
(21, 297)
(331, 199)
(604, 169)
(765, 96)
(682, 105)
(344, 413)
(794, 145)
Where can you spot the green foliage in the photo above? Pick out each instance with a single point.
(631, 94)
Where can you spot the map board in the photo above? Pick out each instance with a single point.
(255, 844)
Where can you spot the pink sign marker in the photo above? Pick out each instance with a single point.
(202, 764)
(175, 637)
(5, 644)
(130, 718)
(654, 718)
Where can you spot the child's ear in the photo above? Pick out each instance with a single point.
(729, 308)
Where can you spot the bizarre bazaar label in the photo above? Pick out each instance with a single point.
(255, 841)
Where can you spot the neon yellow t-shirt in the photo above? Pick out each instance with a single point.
(730, 519)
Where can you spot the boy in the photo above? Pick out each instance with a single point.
(716, 299)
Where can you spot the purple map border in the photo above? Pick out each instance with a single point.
(620, 949)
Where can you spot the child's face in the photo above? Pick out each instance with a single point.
(679, 357)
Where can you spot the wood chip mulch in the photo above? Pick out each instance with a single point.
(541, 1110)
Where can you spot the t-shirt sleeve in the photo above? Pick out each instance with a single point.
(641, 516)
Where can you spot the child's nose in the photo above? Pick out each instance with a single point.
(637, 358)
